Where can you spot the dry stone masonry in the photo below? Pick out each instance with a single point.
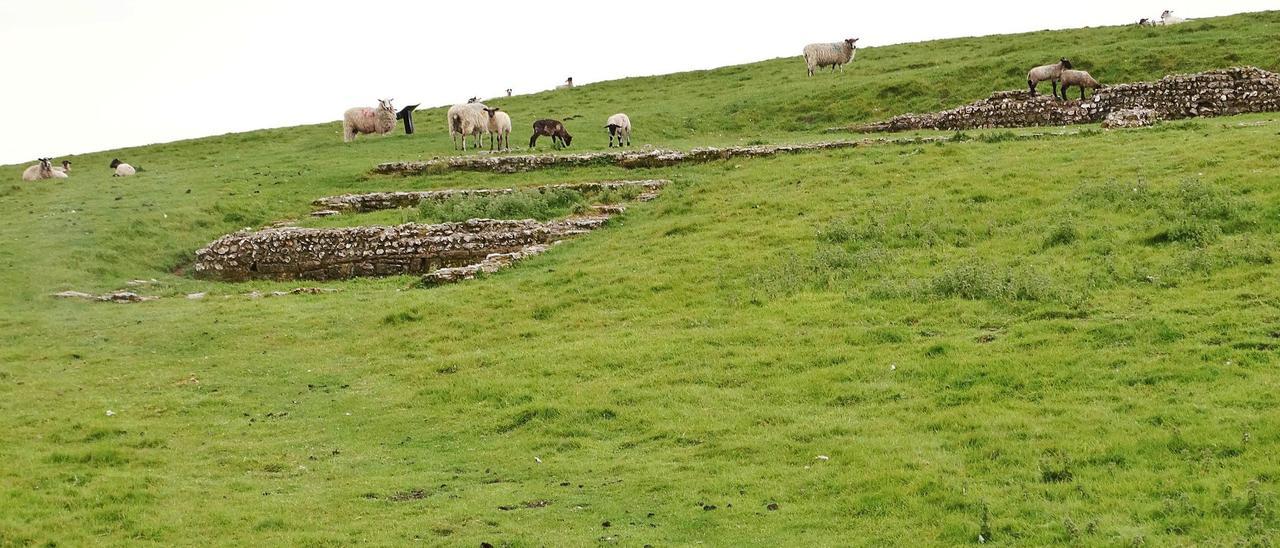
(627, 159)
(1131, 117)
(1214, 93)
(376, 201)
(336, 253)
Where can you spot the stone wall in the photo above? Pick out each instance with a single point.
(337, 253)
(375, 201)
(628, 159)
(1214, 93)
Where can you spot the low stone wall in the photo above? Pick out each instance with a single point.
(1214, 93)
(628, 159)
(337, 253)
(376, 201)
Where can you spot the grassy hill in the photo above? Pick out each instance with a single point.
(1037, 340)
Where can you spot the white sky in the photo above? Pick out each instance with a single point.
(88, 75)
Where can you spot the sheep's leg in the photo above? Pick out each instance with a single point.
(1055, 87)
(1031, 85)
(533, 140)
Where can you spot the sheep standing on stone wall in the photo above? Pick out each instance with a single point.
(499, 125)
(42, 170)
(468, 119)
(619, 125)
(834, 54)
(368, 120)
(1051, 73)
(1080, 79)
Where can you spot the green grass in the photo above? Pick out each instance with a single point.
(1055, 340)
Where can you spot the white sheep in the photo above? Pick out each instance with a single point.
(568, 84)
(368, 120)
(468, 119)
(1168, 18)
(834, 54)
(1080, 79)
(499, 125)
(1051, 73)
(619, 125)
(42, 170)
(122, 169)
(64, 171)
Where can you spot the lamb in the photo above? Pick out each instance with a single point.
(568, 84)
(500, 125)
(1052, 73)
(553, 129)
(64, 171)
(1168, 18)
(1080, 79)
(834, 54)
(42, 170)
(122, 169)
(620, 125)
(468, 119)
(367, 120)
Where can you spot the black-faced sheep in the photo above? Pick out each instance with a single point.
(834, 55)
(469, 119)
(500, 126)
(368, 120)
(65, 170)
(122, 169)
(553, 129)
(1080, 79)
(619, 125)
(1051, 73)
(42, 170)
(568, 84)
(1168, 18)
(508, 92)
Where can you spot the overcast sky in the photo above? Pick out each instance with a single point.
(88, 75)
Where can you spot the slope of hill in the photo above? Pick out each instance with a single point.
(1037, 340)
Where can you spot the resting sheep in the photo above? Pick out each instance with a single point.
(1168, 18)
(368, 120)
(1080, 79)
(122, 169)
(834, 54)
(1051, 73)
(619, 125)
(468, 119)
(553, 129)
(568, 84)
(64, 171)
(42, 170)
(499, 125)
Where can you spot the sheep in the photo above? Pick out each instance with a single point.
(1080, 79)
(1145, 22)
(1168, 18)
(500, 125)
(473, 100)
(553, 129)
(620, 125)
(468, 119)
(1052, 73)
(367, 120)
(834, 54)
(568, 84)
(42, 170)
(508, 92)
(122, 169)
(64, 171)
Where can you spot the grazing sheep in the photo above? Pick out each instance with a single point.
(367, 120)
(834, 54)
(553, 129)
(1080, 79)
(620, 125)
(1052, 73)
(42, 170)
(499, 125)
(468, 119)
(122, 169)
(1168, 18)
(568, 84)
